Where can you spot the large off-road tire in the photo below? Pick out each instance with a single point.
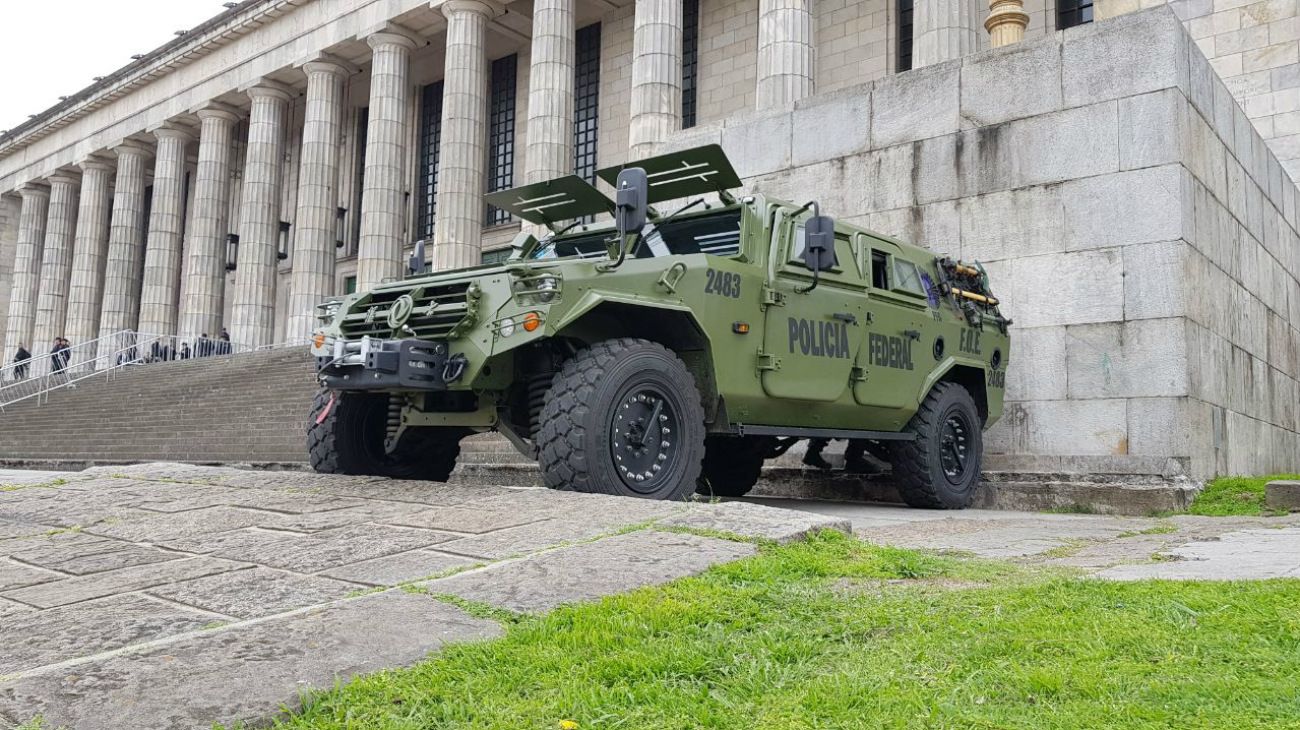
(940, 469)
(732, 465)
(345, 435)
(623, 417)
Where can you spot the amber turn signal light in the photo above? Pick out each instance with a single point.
(740, 328)
(318, 340)
(532, 321)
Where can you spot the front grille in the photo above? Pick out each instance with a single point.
(369, 316)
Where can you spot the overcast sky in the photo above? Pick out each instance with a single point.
(53, 48)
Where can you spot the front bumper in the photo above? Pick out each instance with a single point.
(376, 364)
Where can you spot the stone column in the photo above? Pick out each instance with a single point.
(462, 173)
(786, 61)
(121, 308)
(549, 150)
(86, 293)
(657, 74)
(56, 264)
(162, 254)
(315, 224)
(253, 312)
(27, 269)
(943, 30)
(204, 279)
(383, 198)
(1006, 22)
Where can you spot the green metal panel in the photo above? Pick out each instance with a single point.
(682, 174)
(549, 202)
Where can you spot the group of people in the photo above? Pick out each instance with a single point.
(855, 457)
(60, 355)
(160, 350)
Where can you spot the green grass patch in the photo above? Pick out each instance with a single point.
(834, 633)
(1235, 496)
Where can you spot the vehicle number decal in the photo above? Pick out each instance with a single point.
(722, 283)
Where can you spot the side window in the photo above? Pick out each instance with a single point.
(842, 245)
(879, 269)
(907, 278)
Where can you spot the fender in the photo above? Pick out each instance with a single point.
(590, 300)
(945, 366)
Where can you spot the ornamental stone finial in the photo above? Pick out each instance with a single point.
(1006, 22)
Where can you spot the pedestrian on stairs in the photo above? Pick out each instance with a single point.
(223, 342)
(203, 347)
(59, 356)
(21, 362)
(185, 350)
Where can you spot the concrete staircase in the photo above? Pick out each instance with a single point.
(246, 408)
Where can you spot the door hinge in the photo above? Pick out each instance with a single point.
(858, 375)
(772, 297)
(768, 362)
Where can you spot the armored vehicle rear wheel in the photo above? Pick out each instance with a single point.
(623, 417)
(732, 465)
(346, 436)
(941, 468)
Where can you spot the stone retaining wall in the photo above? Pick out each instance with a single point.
(1139, 230)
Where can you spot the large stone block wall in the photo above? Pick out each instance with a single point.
(1137, 226)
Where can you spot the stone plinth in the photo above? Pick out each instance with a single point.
(1132, 221)
(1283, 495)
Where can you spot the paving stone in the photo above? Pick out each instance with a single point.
(467, 518)
(754, 521)
(430, 493)
(82, 554)
(66, 509)
(15, 575)
(254, 593)
(391, 570)
(375, 511)
(112, 582)
(605, 567)
(263, 499)
(309, 553)
(530, 538)
(244, 673)
(13, 528)
(83, 629)
(155, 527)
(1242, 555)
(1003, 538)
(10, 608)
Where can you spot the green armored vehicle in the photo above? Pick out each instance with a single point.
(657, 354)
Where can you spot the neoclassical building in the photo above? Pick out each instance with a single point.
(287, 151)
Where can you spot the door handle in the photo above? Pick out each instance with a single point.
(847, 317)
(912, 334)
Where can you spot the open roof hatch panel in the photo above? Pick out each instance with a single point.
(561, 199)
(684, 174)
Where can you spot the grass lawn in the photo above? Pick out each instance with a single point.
(1235, 496)
(838, 634)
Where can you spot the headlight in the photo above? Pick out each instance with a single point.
(507, 327)
(547, 288)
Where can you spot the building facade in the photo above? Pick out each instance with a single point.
(291, 150)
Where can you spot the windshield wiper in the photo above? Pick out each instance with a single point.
(545, 243)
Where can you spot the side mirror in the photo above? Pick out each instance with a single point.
(819, 243)
(630, 203)
(416, 264)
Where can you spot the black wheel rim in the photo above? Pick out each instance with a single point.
(955, 447)
(644, 438)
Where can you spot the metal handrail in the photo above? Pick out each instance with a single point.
(42, 374)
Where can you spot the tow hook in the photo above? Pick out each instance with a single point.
(454, 368)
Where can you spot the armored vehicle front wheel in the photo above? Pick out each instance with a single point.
(941, 467)
(346, 435)
(732, 465)
(623, 417)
